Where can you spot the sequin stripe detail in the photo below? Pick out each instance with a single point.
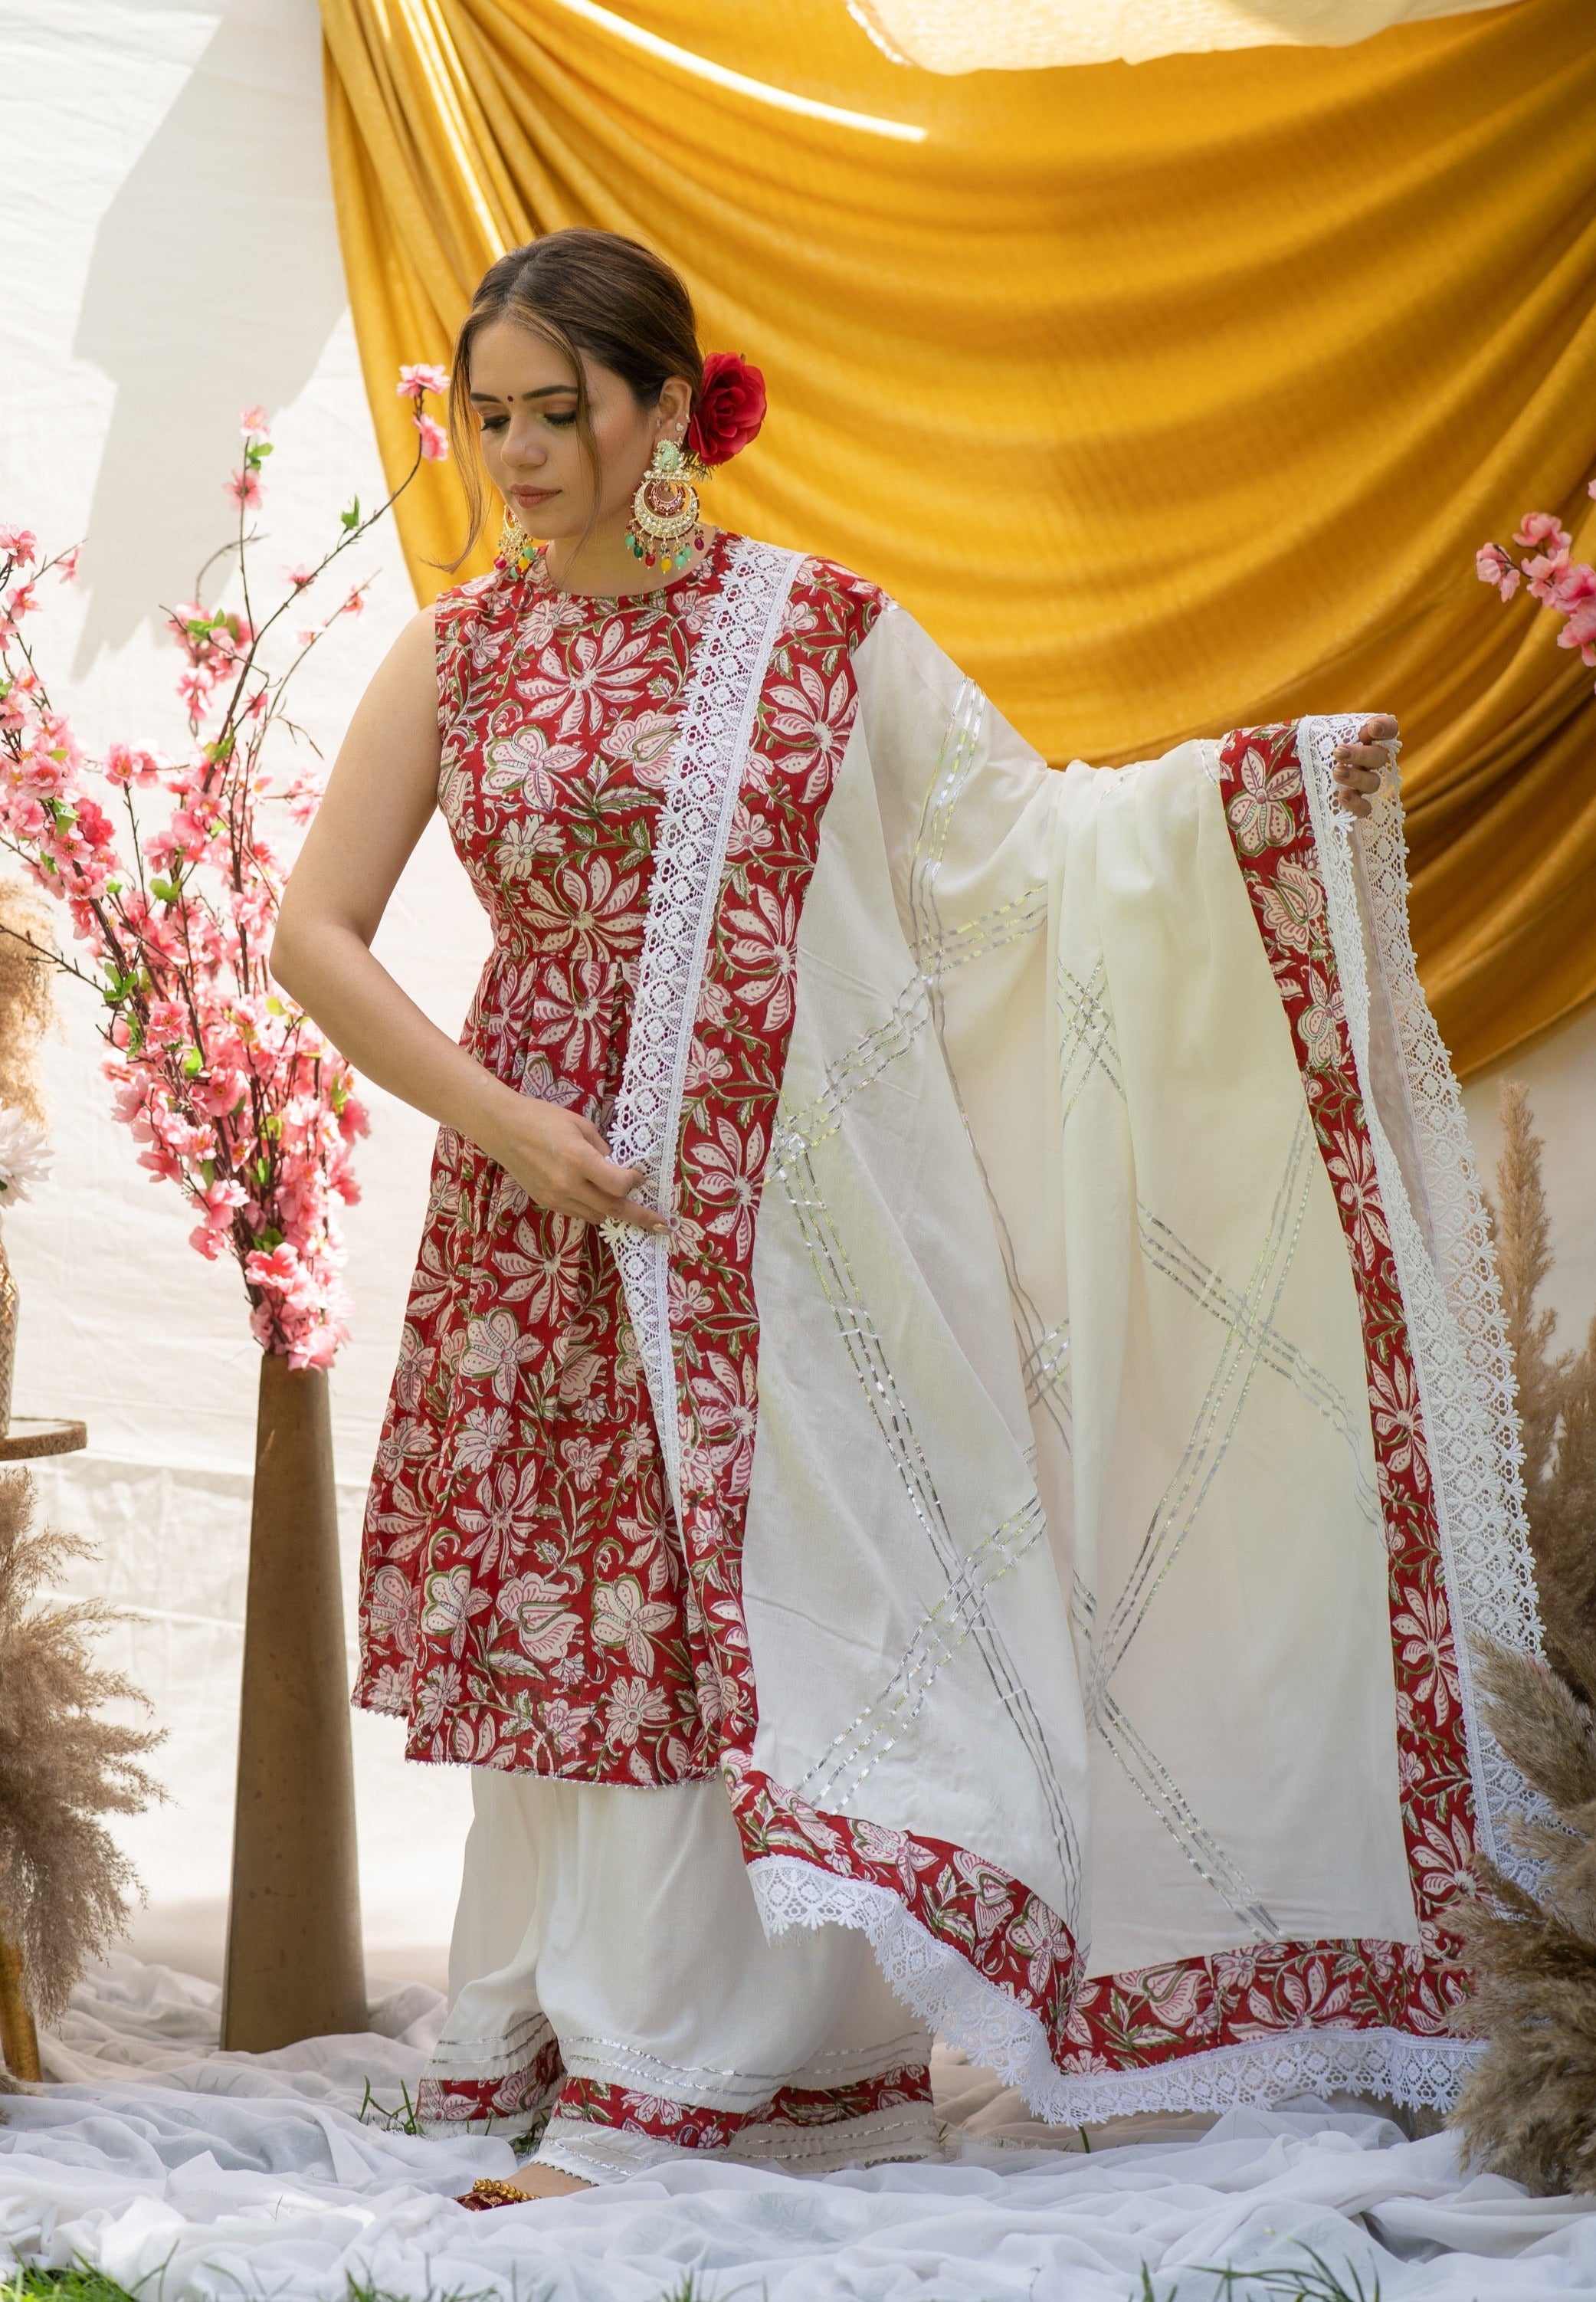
(1262, 2008)
(689, 2127)
(717, 716)
(483, 2105)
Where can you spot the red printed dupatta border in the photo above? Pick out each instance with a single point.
(1301, 1999)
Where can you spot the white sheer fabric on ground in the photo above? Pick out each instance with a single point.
(949, 36)
(200, 2177)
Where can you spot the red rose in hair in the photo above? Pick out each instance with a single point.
(731, 408)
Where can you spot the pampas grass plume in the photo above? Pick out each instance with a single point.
(27, 977)
(1528, 2109)
(65, 1885)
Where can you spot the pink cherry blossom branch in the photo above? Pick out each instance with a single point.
(1547, 570)
(230, 1090)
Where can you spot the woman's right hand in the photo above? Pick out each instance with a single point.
(563, 1163)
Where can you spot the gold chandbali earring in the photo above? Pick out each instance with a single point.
(516, 549)
(664, 532)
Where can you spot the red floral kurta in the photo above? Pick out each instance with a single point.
(524, 1598)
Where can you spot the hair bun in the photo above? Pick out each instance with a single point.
(730, 410)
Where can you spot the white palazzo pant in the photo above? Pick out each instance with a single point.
(609, 1970)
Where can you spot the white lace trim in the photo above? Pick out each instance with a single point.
(1450, 1287)
(723, 691)
(1418, 2074)
(963, 2009)
(932, 1979)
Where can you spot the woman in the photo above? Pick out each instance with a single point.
(950, 1411)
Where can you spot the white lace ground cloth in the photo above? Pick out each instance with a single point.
(186, 2173)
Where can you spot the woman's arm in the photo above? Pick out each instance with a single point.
(381, 791)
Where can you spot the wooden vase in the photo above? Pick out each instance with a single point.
(295, 1967)
(18, 2040)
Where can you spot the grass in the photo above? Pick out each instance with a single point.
(76, 2285)
(405, 2120)
(81, 2284)
(1316, 2282)
(1313, 2281)
(523, 2144)
(402, 2121)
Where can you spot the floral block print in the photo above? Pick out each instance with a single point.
(1137, 2019)
(507, 2105)
(527, 1602)
(687, 2126)
(1003, 1933)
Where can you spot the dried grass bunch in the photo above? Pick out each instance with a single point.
(1529, 2107)
(27, 979)
(64, 1884)
(1557, 1398)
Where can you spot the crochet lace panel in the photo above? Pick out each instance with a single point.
(717, 716)
(1444, 1258)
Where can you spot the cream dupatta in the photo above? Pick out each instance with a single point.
(1133, 1436)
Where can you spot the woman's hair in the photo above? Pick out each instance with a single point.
(585, 292)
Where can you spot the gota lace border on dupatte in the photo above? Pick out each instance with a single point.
(932, 1979)
(964, 2009)
(1450, 1287)
(701, 799)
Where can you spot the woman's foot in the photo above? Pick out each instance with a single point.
(532, 2181)
(547, 2182)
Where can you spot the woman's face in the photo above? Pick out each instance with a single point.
(525, 396)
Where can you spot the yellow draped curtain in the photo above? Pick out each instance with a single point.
(1168, 396)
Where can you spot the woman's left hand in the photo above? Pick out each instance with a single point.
(1360, 768)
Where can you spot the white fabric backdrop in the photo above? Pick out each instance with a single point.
(170, 256)
(167, 254)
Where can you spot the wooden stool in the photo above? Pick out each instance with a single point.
(30, 1436)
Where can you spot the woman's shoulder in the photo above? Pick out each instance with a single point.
(824, 595)
(463, 603)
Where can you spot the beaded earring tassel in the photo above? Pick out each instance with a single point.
(664, 532)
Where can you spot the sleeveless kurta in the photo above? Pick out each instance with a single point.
(524, 1600)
